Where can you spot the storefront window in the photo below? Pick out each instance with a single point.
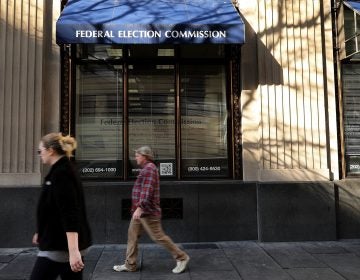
(99, 99)
(351, 29)
(171, 98)
(203, 121)
(351, 92)
(152, 114)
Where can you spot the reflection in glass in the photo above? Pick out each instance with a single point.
(351, 97)
(99, 51)
(99, 120)
(154, 89)
(351, 30)
(203, 121)
(152, 114)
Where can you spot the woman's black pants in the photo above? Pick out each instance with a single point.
(46, 269)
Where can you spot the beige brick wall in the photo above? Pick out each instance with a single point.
(28, 76)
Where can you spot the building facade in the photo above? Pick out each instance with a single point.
(254, 140)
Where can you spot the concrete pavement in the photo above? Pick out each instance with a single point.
(242, 260)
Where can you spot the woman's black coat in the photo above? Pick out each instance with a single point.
(61, 208)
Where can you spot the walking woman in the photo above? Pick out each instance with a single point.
(63, 231)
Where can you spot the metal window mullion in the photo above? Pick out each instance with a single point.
(125, 121)
(232, 123)
(178, 122)
(356, 35)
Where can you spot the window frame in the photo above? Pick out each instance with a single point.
(231, 62)
(352, 39)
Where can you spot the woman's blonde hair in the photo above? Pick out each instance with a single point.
(63, 145)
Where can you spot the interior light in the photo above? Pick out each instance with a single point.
(165, 52)
(114, 52)
(164, 66)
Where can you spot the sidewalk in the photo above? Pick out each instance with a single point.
(246, 260)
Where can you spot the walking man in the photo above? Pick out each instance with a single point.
(146, 215)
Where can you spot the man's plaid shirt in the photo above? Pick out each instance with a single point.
(146, 191)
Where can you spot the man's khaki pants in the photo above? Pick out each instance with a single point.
(152, 226)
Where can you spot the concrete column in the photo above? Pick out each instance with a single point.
(28, 75)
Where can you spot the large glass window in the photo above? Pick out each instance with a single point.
(203, 121)
(152, 114)
(99, 120)
(351, 30)
(173, 99)
(351, 96)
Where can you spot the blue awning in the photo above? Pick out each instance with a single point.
(354, 5)
(150, 22)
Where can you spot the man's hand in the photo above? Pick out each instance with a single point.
(137, 214)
